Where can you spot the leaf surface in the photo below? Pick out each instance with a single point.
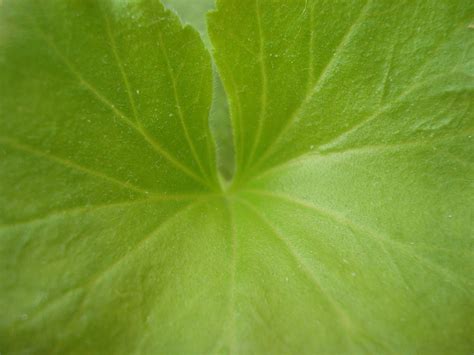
(347, 227)
(194, 13)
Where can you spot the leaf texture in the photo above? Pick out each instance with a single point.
(347, 227)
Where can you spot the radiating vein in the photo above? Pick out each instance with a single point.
(264, 83)
(365, 230)
(387, 74)
(383, 109)
(233, 266)
(346, 321)
(312, 90)
(367, 149)
(88, 284)
(68, 163)
(172, 159)
(120, 66)
(178, 104)
(148, 138)
(48, 40)
(95, 207)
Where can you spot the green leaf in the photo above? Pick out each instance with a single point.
(347, 227)
(193, 13)
(219, 120)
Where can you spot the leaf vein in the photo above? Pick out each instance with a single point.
(68, 163)
(264, 83)
(102, 273)
(344, 221)
(150, 140)
(94, 207)
(346, 321)
(328, 69)
(368, 149)
(178, 103)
